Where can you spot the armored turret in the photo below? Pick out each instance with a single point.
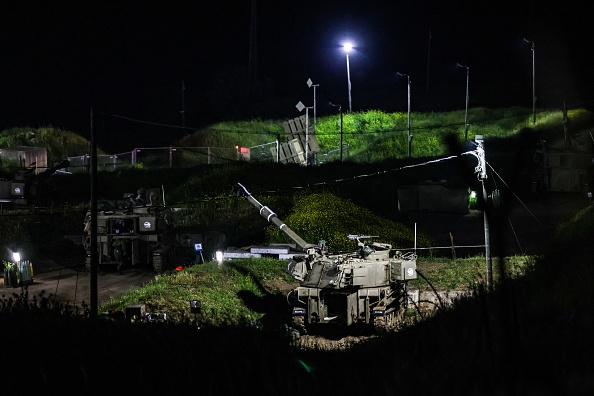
(367, 286)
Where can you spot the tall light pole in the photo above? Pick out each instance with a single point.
(409, 134)
(466, 113)
(311, 84)
(183, 103)
(347, 48)
(300, 106)
(340, 111)
(533, 82)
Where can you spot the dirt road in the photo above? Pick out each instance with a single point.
(73, 285)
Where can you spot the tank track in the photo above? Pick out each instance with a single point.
(390, 320)
(298, 323)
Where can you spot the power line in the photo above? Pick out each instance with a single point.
(147, 122)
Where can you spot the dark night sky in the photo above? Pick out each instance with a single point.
(129, 58)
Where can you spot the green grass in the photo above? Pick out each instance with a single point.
(540, 319)
(374, 135)
(204, 203)
(469, 273)
(218, 287)
(371, 136)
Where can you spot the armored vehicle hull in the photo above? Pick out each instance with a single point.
(367, 286)
(132, 232)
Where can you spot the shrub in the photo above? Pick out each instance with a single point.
(324, 216)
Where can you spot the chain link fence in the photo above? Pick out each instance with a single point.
(180, 157)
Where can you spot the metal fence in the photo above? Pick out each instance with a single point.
(155, 157)
(180, 157)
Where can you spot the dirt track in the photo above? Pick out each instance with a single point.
(73, 285)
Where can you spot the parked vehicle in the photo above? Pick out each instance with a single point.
(367, 286)
(133, 231)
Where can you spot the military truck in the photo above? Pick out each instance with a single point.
(367, 286)
(134, 231)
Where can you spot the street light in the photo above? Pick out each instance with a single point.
(466, 113)
(533, 82)
(340, 110)
(311, 84)
(409, 135)
(300, 106)
(347, 48)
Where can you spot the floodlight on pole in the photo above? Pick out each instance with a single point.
(300, 106)
(466, 112)
(533, 82)
(311, 84)
(348, 48)
(409, 134)
(340, 111)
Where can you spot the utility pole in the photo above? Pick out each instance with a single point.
(428, 62)
(409, 134)
(408, 96)
(300, 106)
(348, 47)
(311, 84)
(253, 55)
(94, 253)
(481, 169)
(467, 97)
(533, 81)
(566, 126)
(183, 110)
(340, 110)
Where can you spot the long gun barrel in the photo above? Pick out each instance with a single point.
(269, 215)
(354, 236)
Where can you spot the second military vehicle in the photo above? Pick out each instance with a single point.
(132, 231)
(367, 286)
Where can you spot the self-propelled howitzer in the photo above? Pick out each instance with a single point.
(367, 286)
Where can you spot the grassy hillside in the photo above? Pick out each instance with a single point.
(376, 166)
(531, 335)
(374, 136)
(368, 137)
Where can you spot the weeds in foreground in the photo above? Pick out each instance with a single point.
(22, 304)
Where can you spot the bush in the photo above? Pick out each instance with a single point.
(324, 216)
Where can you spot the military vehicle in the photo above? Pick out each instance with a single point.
(367, 286)
(132, 231)
(28, 185)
